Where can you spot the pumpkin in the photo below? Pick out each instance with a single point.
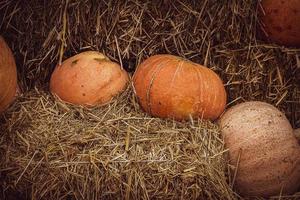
(263, 149)
(168, 86)
(8, 75)
(88, 79)
(280, 21)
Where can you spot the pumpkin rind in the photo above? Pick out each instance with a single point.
(280, 21)
(8, 75)
(171, 87)
(261, 138)
(88, 79)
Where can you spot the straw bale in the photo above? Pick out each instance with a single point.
(51, 150)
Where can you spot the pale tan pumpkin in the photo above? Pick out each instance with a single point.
(280, 21)
(168, 86)
(88, 79)
(263, 146)
(8, 75)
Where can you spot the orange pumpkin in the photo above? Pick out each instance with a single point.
(168, 86)
(88, 79)
(280, 21)
(263, 147)
(8, 76)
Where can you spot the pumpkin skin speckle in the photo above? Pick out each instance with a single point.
(88, 79)
(168, 86)
(8, 76)
(280, 21)
(263, 147)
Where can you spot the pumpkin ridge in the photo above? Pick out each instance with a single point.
(214, 102)
(195, 67)
(204, 88)
(179, 65)
(159, 68)
(142, 66)
(205, 96)
(213, 95)
(201, 86)
(169, 91)
(153, 59)
(175, 73)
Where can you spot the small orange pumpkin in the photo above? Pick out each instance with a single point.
(280, 21)
(168, 86)
(88, 79)
(8, 76)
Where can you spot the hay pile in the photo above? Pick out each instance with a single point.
(49, 150)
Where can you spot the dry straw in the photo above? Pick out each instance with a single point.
(52, 150)
(49, 150)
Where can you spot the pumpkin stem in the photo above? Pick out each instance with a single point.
(100, 59)
(74, 62)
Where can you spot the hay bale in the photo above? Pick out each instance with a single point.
(50, 150)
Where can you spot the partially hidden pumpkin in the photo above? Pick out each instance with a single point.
(8, 75)
(88, 79)
(263, 149)
(280, 21)
(168, 86)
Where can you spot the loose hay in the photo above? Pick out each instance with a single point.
(50, 150)
(54, 151)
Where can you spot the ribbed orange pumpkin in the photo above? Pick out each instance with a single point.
(168, 86)
(88, 79)
(8, 76)
(263, 148)
(281, 21)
